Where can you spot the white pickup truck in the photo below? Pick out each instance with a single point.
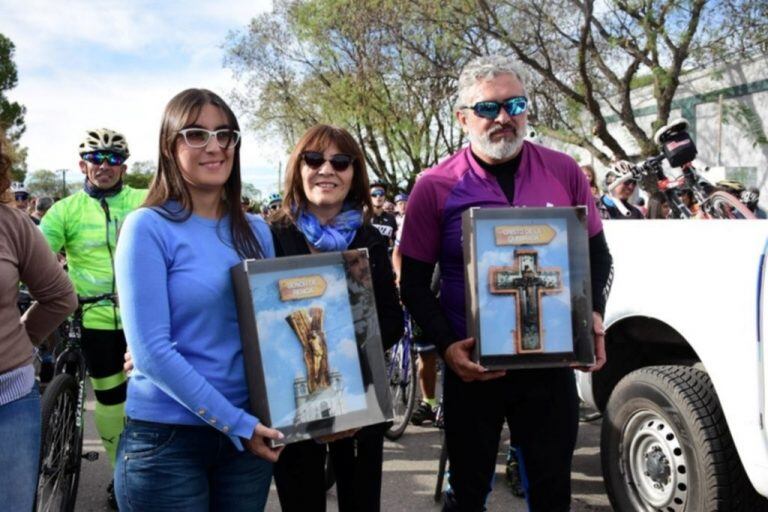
(683, 393)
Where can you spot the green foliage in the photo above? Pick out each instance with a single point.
(748, 120)
(140, 174)
(44, 183)
(11, 113)
(302, 67)
(386, 69)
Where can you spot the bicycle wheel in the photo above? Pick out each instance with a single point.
(402, 385)
(61, 447)
(722, 205)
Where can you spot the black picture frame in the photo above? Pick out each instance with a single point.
(528, 287)
(312, 344)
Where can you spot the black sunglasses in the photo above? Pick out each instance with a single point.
(315, 160)
(490, 109)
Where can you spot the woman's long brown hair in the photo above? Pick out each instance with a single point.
(168, 183)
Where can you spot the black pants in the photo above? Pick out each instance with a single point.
(104, 353)
(300, 479)
(541, 408)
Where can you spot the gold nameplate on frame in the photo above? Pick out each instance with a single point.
(302, 287)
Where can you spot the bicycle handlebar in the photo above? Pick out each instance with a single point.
(97, 298)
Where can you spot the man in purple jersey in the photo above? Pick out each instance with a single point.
(498, 169)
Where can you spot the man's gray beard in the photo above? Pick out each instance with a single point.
(502, 149)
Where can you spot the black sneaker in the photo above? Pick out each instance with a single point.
(424, 412)
(111, 498)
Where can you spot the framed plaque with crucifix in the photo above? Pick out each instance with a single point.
(529, 302)
(311, 343)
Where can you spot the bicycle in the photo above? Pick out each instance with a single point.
(401, 373)
(44, 353)
(61, 450)
(679, 150)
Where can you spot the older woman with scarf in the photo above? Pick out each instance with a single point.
(325, 208)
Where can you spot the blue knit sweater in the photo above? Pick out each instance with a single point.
(180, 321)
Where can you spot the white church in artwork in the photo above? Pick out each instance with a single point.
(323, 404)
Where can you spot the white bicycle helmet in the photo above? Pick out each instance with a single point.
(618, 169)
(104, 139)
(17, 186)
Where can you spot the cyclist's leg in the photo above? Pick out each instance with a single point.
(426, 371)
(474, 414)
(19, 451)
(104, 351)
(544, 419)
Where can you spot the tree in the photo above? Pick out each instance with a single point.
(140, 174)
(44, 183)
(250, 191)
(11, 113)
(300, 66)
(388, 72)
(587, 57)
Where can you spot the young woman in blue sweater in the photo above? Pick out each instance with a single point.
(326, 205)
(189, 443)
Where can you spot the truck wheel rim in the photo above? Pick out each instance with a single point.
(654, 463)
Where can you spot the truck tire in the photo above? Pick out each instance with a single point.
(665, 446)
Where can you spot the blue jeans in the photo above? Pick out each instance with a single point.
(20, 451)
(192, 468)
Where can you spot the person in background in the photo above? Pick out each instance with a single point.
(384, 221)
(24, 258)
(658, 206)
(325, 207)
(42, 206)
(622, 193)
(86, 226)
(750, 197)
(245, 204)
(187, 410)
(589, 172)
(20, 195)
(274, 201)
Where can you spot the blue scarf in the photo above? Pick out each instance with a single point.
(334, 236)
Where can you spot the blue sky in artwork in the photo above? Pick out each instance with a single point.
(281, 350)
(498, 313)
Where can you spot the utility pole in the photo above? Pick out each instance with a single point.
(63, 182)
(279, 176)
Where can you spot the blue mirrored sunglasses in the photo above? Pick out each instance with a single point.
(99, 157)
(490, 109)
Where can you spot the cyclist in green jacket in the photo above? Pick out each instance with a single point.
(86, 226)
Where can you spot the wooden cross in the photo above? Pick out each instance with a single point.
(527, 283)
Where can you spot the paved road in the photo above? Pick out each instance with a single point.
(410, 468)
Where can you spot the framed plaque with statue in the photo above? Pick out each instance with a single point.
(311, 343)
(529, 301)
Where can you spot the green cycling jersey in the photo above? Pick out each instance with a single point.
(78, 224)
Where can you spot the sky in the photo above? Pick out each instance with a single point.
(92, 64)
